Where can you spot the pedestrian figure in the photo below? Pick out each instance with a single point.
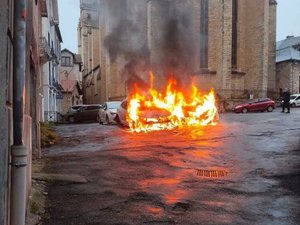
(251, 94)
(286, 97)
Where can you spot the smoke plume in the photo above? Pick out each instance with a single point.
(156, 34)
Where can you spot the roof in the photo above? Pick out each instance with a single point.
(288, 49)
(58, 33)
(68, 85)
(76, 57)
(67, 50)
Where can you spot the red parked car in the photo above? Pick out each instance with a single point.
(255, 105)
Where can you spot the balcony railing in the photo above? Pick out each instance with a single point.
(45, 53)
(54, 57)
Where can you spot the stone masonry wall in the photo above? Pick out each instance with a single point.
(296, 78)
(288, 76)
(272, 91)
(283, 71)
(255, 45)
(256, 50)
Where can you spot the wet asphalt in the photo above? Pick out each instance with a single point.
(245, 170)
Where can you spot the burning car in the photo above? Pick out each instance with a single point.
(150, 110)
(255, 105)
(147, 115)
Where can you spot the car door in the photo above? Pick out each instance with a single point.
(261, 105)
(253, 106)
(80, 115)
(94, 112)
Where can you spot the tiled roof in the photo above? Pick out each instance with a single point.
(76, 57)
(288, 49)
(68, 85)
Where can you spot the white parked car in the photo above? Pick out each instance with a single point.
(107, 114)
(295, 100)
(121, 113)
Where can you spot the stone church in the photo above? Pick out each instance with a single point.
(228, 45)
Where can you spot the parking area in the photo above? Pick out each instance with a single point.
(244, 170)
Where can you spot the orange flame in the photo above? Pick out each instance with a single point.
(169, 110)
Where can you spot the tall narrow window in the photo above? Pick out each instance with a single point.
(49, 72)
(234, 33)
(203, 33)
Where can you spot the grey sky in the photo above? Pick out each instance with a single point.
(288, 17)
(69, 12)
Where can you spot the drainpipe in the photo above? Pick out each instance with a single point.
(18, 150)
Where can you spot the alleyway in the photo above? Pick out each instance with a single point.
(245, 170)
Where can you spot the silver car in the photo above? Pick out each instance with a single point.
(107, 114)
(295, 100)
(121, 113)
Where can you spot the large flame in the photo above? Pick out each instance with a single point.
(171, 109)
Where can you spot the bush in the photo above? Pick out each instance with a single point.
(48, 135)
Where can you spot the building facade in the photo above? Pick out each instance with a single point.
(31, 110)
(225, 45)
(50, 41)
(71, 95)
(89, 45)
(288, 64)
(70, 79)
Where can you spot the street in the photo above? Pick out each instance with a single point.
(244, 170)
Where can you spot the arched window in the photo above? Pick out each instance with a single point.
(203, 33)
(234, 33)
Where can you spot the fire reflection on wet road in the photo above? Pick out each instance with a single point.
(154, 178)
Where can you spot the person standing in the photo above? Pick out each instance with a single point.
(286, 97)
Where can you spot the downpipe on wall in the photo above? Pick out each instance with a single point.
(18, 150)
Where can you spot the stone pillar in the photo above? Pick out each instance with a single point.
(265, 51)
(272, 91)
(226, 29)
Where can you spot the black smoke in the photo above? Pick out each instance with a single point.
(172, 45)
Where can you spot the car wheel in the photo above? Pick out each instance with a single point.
(270, 108)
(99, 119)
(293, 105)
(71, 119)
(245, 110)
(117, 119)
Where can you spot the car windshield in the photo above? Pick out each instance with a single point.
(76, 107)
(113, 105)
(293, 96)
